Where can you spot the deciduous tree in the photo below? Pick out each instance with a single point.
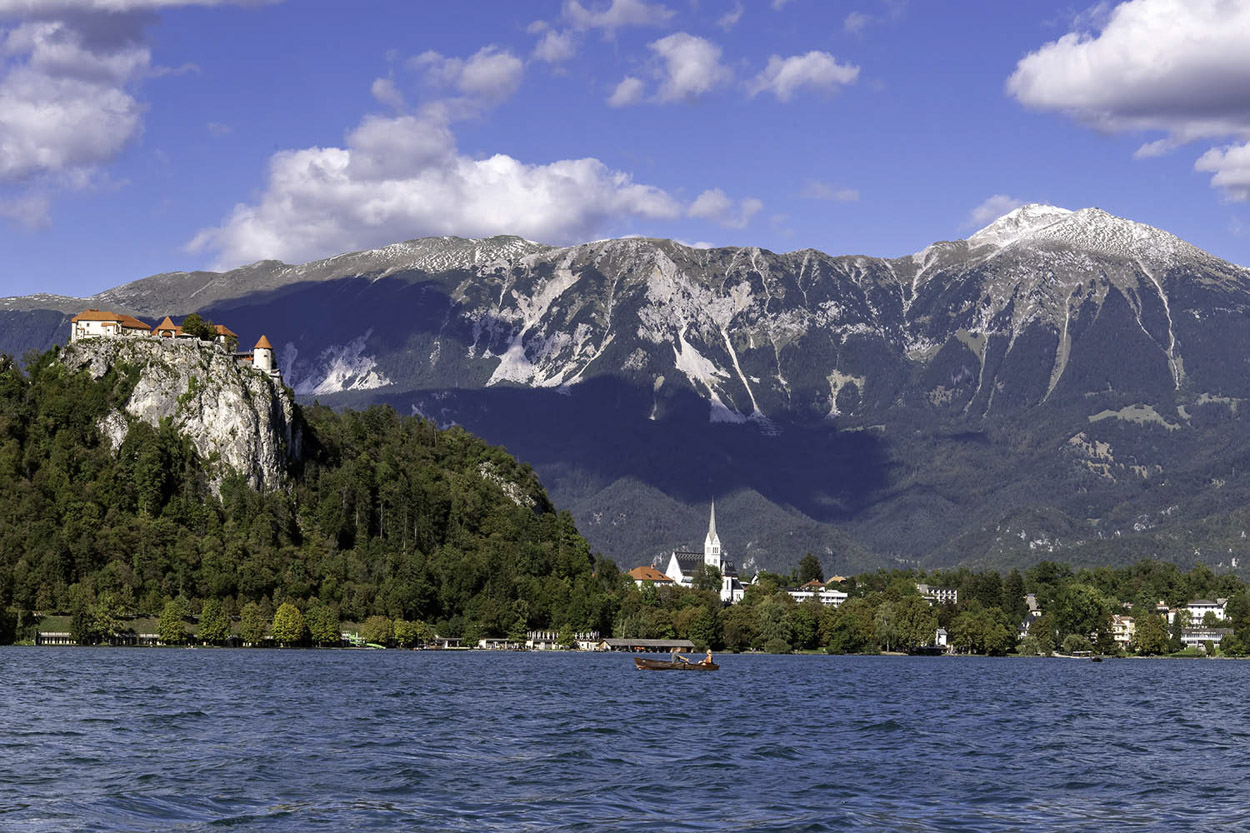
(288, 625)
(214, 625)
(172, 627)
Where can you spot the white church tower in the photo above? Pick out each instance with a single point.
(711, 544)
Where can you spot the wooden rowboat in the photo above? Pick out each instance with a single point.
(664, 665)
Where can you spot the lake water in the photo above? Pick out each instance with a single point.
(199, 740)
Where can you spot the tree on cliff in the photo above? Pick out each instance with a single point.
(199, 327)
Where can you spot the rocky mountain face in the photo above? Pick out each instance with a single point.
(240, 420)
(1059, 385)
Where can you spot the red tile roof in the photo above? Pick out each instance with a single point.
(648, 574)
(167, 326)
(263, 343)
(223, 330)
(127, 321)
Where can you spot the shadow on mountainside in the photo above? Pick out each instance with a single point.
(598, 432)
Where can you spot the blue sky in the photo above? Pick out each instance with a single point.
(143, 136)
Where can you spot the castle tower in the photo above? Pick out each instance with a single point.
(262, 356)
(711, 544)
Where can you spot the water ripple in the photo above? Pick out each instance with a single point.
(154, 740)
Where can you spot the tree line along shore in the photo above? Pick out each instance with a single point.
(390, 519)
(1049, 608)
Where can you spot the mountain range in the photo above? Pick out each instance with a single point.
(1063, 385)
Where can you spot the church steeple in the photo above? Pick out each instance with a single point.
(711, 544)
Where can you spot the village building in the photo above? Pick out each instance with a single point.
(1122, 630)
(1199, 637)
(682, 565)
(550, 641)
(1196, 611)
(649, 575)
(823, 593)
(938, 595)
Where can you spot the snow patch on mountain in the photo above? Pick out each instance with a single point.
(534, 361)
(338, 368)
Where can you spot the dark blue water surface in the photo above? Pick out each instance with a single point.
(197, 740)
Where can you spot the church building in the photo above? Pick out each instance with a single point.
(682, 565)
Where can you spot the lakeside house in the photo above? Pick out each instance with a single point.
(1198, 609)
(683, 564)
(1199, 637)
(550, 641)
(646, 645)
(94, 323)
(1122, 630)
(822, 592)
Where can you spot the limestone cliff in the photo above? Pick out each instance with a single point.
(240, 419)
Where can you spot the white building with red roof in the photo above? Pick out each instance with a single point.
(95, 322)
(650, 575)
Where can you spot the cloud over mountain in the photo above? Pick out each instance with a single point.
(1177, 66)
(403, 176)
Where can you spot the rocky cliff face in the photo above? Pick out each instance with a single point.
(239, 419)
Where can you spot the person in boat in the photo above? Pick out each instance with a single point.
(707, 660)
(680, 658)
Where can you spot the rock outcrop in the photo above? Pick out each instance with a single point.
(240, 420)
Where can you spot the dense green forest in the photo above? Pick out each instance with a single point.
(391, 523)
(385, 516)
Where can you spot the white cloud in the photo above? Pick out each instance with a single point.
(488, 77)
(783, 77)
(627, 93)
(778, 5)
(684, 68)
(824, 191)
(1231, 166)
(990, 210)
(730, 18)
(556, 47)
(402, 177)
(856, 22)
(714, 205)
(617, 14)
(64, 104)
(692, 67)
(218, 129)
(386, 91)
(1177, 66)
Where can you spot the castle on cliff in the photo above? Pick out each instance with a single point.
(94, 323)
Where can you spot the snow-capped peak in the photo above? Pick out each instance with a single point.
(1090, 230)
(1024, 221)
